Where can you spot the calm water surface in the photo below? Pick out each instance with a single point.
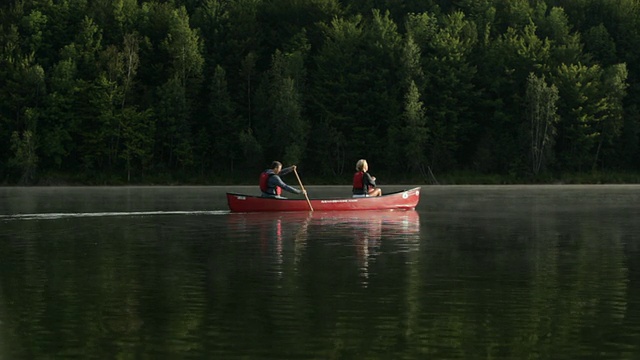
(476, 272)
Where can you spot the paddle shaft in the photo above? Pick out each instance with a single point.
(302, 187)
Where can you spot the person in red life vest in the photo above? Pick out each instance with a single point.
(363, 183)
(271, 184)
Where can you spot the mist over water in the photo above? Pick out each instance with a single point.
(504, 272)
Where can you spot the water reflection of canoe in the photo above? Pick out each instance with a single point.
(282, 233)
(400, 200)
(398, 221)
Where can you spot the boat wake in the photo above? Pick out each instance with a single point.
(53, 216)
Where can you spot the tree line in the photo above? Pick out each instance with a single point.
(136, 91)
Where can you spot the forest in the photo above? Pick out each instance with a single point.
(211, 91)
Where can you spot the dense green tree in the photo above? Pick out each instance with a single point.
(130, 62)
(576, 84)
(240, 51)
(211, 17)
(251, 149)
(448, 87)
(414, 132)
(290, 129)
(104, 120)
(361, 102)
(23, 148)
(285, 19)
(590, 108)
(59, 121)
(248, 74)
(23, 93)
(219, 134)
(184, 48)
(34, 26)
(412, 61)
(398, 10)
(336, 98)
(86, 48)
(553, 26)
(621, 20)
(280, 127)
(98, 124)
(600, 45)
(629, 144)
(385, 92)
(175, 96)
(514, 14)
(614, 87)
(137, 132)
(502, 73)
(407, 137)
(129, 88)
(542, 115)
(173, 138)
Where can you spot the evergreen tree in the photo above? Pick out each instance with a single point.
(355, 87)
(415, 131)
(591, 112)
(281, 128)
(220, 133)
(448, 85)
(174, 126)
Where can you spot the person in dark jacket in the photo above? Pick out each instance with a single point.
(363, 183)
(271, 184)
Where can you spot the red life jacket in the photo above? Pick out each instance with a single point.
(358, 182)
(264, 183)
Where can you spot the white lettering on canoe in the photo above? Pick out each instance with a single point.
(338, 201)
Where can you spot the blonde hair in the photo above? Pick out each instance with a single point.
(360, 164)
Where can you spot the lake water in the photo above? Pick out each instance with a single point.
(476, 272)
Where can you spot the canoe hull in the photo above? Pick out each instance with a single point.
(401, 200)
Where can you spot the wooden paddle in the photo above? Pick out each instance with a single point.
(302, 187)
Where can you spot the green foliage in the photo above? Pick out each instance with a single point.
(58, 118)
(577, 130)
(629, 145)
(183, 46)
(138, 131)
(614, 87)
(591, 111)
(251, 149)
(542, 114)
(415, 131)
(24, 158)
(153, 89)
(554, 27)
(600, 45)
(355, 89)
(173, 136)
(281, 127)
(87, 45)
(218, 144)
(448, 87)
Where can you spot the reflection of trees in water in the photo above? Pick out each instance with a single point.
(490, 285)
(512, 286)
(68, 294)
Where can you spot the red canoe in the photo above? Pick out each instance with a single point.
(400, 200)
